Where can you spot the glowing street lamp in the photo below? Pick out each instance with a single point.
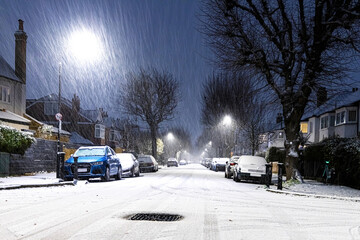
(170, 136)
(227, 120)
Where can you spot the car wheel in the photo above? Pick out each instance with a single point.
(138, 173)
(106, 177)
(132, 173)
(119, 174)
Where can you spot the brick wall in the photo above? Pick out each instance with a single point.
(41, 156)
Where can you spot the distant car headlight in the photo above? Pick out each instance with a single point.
(98, 163)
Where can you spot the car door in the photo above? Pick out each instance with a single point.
(112, 161)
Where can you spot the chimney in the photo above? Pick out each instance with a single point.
(20, 52)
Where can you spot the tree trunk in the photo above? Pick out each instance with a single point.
(153, 131)
(292, 129)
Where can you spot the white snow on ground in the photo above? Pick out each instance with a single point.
(318, 188)
(38, 178)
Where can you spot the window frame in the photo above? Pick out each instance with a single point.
(340, 118)
(355, 115)
(99, 131)
(324, 122)
(5, 94)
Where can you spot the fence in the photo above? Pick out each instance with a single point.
(4, 164)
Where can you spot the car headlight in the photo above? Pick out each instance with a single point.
(98, 163)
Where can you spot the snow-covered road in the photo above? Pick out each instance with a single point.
(213, 208)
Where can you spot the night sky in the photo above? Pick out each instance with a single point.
(157, 33)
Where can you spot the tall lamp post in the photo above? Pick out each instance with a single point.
(60, 155)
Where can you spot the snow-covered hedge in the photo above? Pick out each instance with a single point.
(343, 155)
(14, 141)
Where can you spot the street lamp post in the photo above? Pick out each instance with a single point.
(60, 155)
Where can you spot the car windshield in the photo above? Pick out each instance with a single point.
(253, 160)
(145, 159)
(90, 152)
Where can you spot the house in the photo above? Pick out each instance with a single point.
(338, 116)
(13, 85)
(89, 125)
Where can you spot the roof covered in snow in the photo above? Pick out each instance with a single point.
(8, 116)
(7, 71)
(78, 139)
(338, 101)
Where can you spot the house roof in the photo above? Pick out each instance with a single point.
(342, 100)
(8, 116)
(7, 71)
(49, 98)
(55, 97)
(78, 139)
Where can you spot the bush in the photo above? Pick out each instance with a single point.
(343, 155)
(14, 141)
(347, 163)
(275, 154)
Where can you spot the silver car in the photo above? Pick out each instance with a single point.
(250, 168)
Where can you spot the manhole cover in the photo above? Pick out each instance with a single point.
(155, 217)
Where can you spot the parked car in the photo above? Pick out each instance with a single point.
(172, 162)
(94, 162)
(129, 163)
(250, 168)
(208, 162)
(148, 163)
(218, 164)
(183, 162)
(229, 168)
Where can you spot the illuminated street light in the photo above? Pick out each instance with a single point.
(170, 136)
(227, 120)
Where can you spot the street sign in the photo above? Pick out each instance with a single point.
(58, 116)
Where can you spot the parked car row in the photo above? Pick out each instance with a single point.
(102, 162)
(215, 164)
(239, 168)
(174, 162)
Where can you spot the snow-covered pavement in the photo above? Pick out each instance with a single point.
(213, 208)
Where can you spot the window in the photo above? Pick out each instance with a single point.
(340, 118)
(332, 121)
(304, 127)
(352, 116)
(324, 122)
(5, 94)
(281, 135)
(112, 135)
(51, 108)
(99, 131)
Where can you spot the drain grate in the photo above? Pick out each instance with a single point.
(155, 217)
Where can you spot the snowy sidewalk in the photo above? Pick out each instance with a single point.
(36, 180)
(316, 189)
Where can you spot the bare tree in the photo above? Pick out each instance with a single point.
(152, 96)
(293, 47)
(225, 93)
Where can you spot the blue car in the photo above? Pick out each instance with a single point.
(94, 162)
